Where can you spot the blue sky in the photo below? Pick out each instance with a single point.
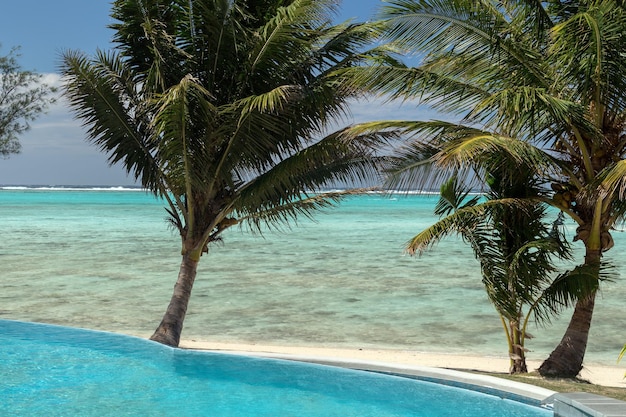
(54, 151)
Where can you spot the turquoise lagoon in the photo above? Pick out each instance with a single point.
(106, 259)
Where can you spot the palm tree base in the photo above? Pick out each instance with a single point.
(556, 366)
(165, 338)
(519, 367)
(566, 360)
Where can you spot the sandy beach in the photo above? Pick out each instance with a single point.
(610, 376)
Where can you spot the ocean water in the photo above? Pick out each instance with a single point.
(106, 259)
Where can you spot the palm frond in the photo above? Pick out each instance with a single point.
(439, 90)
(342, 157)
(463, 222)
(531, 17)
(430, 236)
(415, 165)
(178, 141)
(597, 61)
(614, 180)
(527, 111)
(453, 197)
(103, 95)
(336, 45)
(472, 29)
(478, 149)
(283, 215)
(571, 286)
(273, 101)
(288, 33)
(442, 148)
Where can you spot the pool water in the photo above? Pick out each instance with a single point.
(58, 371)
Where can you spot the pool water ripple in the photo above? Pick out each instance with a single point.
(58, 371)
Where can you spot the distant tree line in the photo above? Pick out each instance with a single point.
(23, 97)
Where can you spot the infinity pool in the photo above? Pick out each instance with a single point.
(58, 371)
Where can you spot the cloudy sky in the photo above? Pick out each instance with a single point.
(54, 151)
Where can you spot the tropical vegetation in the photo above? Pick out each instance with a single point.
(542, 81)
(23, 97)
(514, 244)
(225, 110)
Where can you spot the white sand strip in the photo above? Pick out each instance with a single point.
(611, 376)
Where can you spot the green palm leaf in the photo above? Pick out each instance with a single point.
(569, 287)
(224, 109)
(519, 75)
(114, 110)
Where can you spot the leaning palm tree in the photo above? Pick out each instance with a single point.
(222, 109)
(550, 74)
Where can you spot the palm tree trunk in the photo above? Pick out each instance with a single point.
(566, 360)
(519, 364)
(518, 356)
(171, 326)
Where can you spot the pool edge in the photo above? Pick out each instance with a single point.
(562, 404)
(485, 383)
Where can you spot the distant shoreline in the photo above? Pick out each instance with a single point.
(44, 187)
(73, 187)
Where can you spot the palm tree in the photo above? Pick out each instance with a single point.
(549, 74)
(507, 230)
(220, 108)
